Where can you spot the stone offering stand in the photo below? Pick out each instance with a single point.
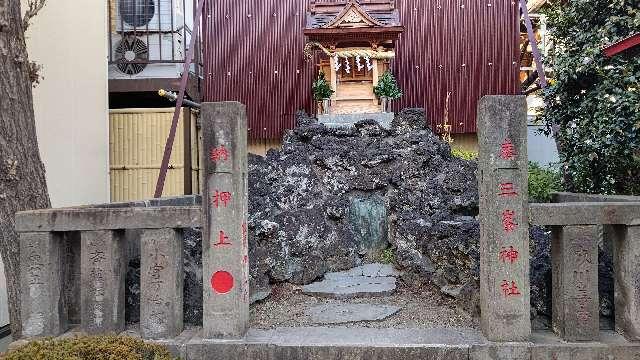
(73, 266)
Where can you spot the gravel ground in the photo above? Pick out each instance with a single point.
(422, 307)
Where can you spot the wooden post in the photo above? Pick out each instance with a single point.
(376, 78)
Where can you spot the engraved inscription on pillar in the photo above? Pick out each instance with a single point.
(504, 225)
(34, 321)
(97, 259)
(156, 272)
(581, 278)
(225, 246)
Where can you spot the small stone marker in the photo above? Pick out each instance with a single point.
(504, 225)
(161, 284)
(574, 257)
(627, 281)
(104, 267)
(41, 279)
(225, 247)
(348, 313)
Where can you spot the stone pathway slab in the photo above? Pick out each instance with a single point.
(349, 313)
(353, 286)
(368, 270)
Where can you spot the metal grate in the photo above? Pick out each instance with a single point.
(163, 27)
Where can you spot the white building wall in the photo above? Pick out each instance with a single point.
(69, 39)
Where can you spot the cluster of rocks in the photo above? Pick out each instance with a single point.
(335, 198)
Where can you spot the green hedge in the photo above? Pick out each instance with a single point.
(90, 348)
(543, 182)
(594, 99)
(464, 154)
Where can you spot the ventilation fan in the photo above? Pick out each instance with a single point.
(137, 13)
(129, 53)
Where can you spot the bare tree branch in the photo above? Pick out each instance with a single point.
(33, 8)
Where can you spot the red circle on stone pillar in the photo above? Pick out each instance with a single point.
(222, 282)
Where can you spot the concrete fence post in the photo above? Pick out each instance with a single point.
(161, 284)
(504, 222)
(103, 270)
(626, 262)
(41, 272)
(575, 302)
(225, 260)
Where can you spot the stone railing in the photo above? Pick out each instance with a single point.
(579, 224)
(74, 263)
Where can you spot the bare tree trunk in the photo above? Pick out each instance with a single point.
(22, 175)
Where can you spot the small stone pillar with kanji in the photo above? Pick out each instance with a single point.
(224, 242)
(504, 225)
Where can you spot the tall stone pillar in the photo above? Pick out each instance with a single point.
(504, 225)
(626, 262)
(161, 284)
(41, 272)
(104, 267)
(225, 249)
(574, 257)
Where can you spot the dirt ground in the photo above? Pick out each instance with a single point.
(422, 307)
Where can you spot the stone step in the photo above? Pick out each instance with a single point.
(342, 313)
(360, 343)
(407, 344)
(366, 280)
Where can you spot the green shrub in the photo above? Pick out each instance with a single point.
(464, 154)
(90, 348)
(543, 182)
(387, 256)
(321, 88)
(388, 87)
(595, 100)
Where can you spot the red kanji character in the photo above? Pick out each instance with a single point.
(221, 196)
(510, 289)
(509, 254)
(507, 189)
(508, 220)
(223, 239)
(219, 153)
(507, 150)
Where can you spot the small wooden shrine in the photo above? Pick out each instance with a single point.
(356, 41)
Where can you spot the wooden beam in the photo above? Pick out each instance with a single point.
(622, 45)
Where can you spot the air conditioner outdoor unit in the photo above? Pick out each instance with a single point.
(149, 15)
(130, 54)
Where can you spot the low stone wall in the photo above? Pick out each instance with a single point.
(74, 265)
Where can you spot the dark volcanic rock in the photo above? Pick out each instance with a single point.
(333, 199)
(301, 197)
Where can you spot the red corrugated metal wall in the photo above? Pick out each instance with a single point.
(253, 54)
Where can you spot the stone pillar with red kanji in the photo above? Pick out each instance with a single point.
(504, 226)
(225, 261)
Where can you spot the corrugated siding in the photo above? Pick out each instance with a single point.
(253, 54)
(136, 145)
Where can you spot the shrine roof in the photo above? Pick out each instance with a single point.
(379, 13)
